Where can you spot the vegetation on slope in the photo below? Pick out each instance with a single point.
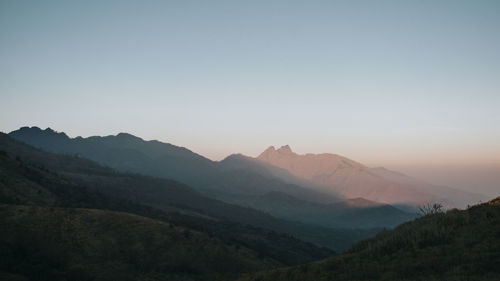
(456, 245)
(43, 243)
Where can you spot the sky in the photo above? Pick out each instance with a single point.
(389, 83)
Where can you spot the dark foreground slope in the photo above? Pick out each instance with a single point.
(86, 244)
(456, 245)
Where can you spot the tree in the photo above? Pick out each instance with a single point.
(431, 209)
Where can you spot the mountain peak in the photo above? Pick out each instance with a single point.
(270, 149)
(33, 128)
(285, 149)
(127, 136)
(36, 131)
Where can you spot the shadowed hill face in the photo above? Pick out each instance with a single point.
(352, 179)
(84, 244)
(126, 153)
(346, 214)
(456, 245)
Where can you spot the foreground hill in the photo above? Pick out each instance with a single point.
(456, 245)
(348, 178)
(84, 244)
(237, 180)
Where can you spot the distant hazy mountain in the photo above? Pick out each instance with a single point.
(290, 184)
(357, 212)
(351, 179)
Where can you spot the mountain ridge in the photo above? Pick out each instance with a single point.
(235, 180)
(352, 179)
(169, 195)
(28, 177)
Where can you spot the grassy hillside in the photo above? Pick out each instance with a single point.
(85, 244)
(456, 245)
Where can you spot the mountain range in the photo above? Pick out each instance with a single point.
(238, 179)
(163, 195)
(119, 207)
(68, 218)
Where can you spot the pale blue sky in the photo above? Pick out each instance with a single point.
(382, 82)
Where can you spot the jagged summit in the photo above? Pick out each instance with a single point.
(335, 173)
(271, 148)
(36, 131)
(285, 149)
(49, 132)
(270, 151)
(266, 153)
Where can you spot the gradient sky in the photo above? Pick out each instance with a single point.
(382, 82)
